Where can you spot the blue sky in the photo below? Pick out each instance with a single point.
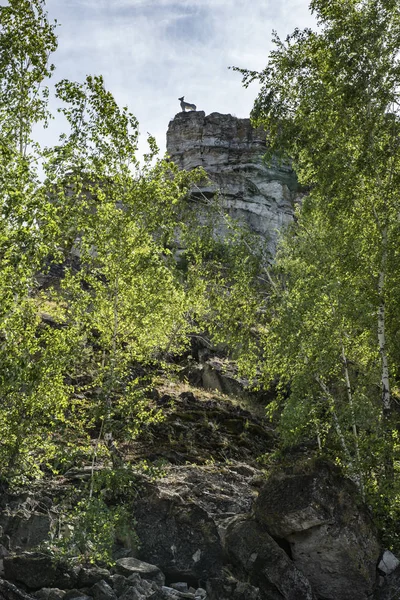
(150, 52)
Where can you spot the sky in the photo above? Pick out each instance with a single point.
(150, 52)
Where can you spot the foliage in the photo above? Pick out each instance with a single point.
(87, 533)
(91, 289)
(329, 100)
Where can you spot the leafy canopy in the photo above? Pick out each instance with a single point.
(329, 101)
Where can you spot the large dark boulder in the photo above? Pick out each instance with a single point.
(331, 535)
(259, 559)
(35, 570)
(179, 537)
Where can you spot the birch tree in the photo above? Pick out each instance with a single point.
(69, 348)
(329, 101)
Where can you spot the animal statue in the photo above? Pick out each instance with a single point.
(186, 105)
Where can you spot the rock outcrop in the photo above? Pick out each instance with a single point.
(331, 536)
(231, 152)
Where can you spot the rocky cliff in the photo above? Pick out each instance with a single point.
(231, 152)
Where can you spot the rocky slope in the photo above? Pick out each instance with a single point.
(231, 152)
(214, 525)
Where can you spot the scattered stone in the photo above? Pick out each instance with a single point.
(388, 563)
(169, 592)
(132, 593)
(175, 594)
(180, 586)
(120, 583)
(103, 591)
(129, 566)
(89, 576)
(229, 588)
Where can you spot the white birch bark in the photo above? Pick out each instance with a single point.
(385, 382)
(353, 421)
(338, 428)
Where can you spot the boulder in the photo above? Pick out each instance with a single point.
(179, 537)
(88, 576)
(388, 562)
(259, 560)
(102, 591)
(331, 535)
(130, 566)
(35, 570)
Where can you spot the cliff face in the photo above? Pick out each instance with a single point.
(231, 152)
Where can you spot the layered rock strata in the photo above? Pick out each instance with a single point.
(231, 152)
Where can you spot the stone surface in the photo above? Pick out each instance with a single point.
(181, 538)
(214, 376)
(120, 583)
(102, 591)
(3, 551)
(388, 563)
(130, 566)
(220, 490)
(201, 429)
(174, 594)
(259, 560)
(50, 594)
(332, 538)
(88, 576)
(180, 586)
(231, 152)
(36, 570)
(8, 591)
(76, 595)
(133, 594)
(23, 526)
(228, 587)
(389, 588)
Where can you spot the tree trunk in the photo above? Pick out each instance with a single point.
(385, 380)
